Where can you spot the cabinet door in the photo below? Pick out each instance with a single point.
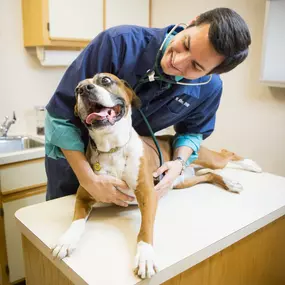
(13, 235)
(75, 19)
(122, 12)
(273, 65)
(22, 171)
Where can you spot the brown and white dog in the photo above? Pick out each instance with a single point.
(104, 105)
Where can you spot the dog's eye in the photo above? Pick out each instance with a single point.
(106, 80)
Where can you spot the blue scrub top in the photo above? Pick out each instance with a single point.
(128, 52)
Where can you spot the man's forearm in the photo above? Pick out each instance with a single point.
(80, 166)
(183, 151)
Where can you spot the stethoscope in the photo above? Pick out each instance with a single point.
(154, 74)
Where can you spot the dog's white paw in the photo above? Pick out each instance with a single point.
(247, 164)
(69, 240)
(63, 249)
(145, 262)
(232, 185)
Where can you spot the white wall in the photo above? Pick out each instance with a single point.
(251, 117)
(24, 83)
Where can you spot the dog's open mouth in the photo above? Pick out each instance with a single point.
(102, 113)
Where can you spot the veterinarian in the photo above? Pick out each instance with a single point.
(186, 94)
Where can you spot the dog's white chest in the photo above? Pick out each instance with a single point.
(109, 163)
(123, 164)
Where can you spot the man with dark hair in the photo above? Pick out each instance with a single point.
(186, 96)
(228, 34)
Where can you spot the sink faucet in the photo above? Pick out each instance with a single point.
(4, 128)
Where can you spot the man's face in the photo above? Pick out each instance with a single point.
(190, 54)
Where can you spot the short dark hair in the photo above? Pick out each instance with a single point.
(229, 34)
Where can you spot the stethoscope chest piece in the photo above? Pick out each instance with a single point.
(150, 74)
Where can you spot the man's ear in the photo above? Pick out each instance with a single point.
(135, 100)
(192, 22)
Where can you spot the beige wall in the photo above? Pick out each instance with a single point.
(24, 83)
(251, 117)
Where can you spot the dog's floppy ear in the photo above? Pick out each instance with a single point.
(135, 100)
(75, 107)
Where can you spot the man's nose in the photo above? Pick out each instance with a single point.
(181, 61)
(84, 88)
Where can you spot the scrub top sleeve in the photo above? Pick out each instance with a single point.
(189, 140)
(60, 133)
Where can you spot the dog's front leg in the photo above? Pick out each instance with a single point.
(145, 262)
(67, 243)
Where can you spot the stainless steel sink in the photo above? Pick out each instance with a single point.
(11, 144)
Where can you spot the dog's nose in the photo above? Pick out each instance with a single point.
(84, 88)
(90, 86)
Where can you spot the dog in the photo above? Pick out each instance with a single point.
(104, 105)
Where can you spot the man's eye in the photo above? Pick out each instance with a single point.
(196, 67)
(106, 80)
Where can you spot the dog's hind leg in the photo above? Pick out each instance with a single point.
(218, 178)
(215, 160)
(206, 175)
(69, 240)
(189, 182)
(243, 163)
(219, 160)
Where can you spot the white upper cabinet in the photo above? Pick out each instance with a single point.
(74, 23)
(75, 19)
(273, 59)
(121, 12)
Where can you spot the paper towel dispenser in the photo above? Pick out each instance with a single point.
(53, 57)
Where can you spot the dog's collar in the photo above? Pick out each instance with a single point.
(112, 150)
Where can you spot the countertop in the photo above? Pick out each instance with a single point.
(22, 155)
(191, 225)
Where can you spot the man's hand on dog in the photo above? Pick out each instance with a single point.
(172, 170)
(106, 189)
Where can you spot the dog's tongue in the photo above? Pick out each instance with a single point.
(105, 113)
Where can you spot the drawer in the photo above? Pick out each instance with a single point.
(23, 175)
